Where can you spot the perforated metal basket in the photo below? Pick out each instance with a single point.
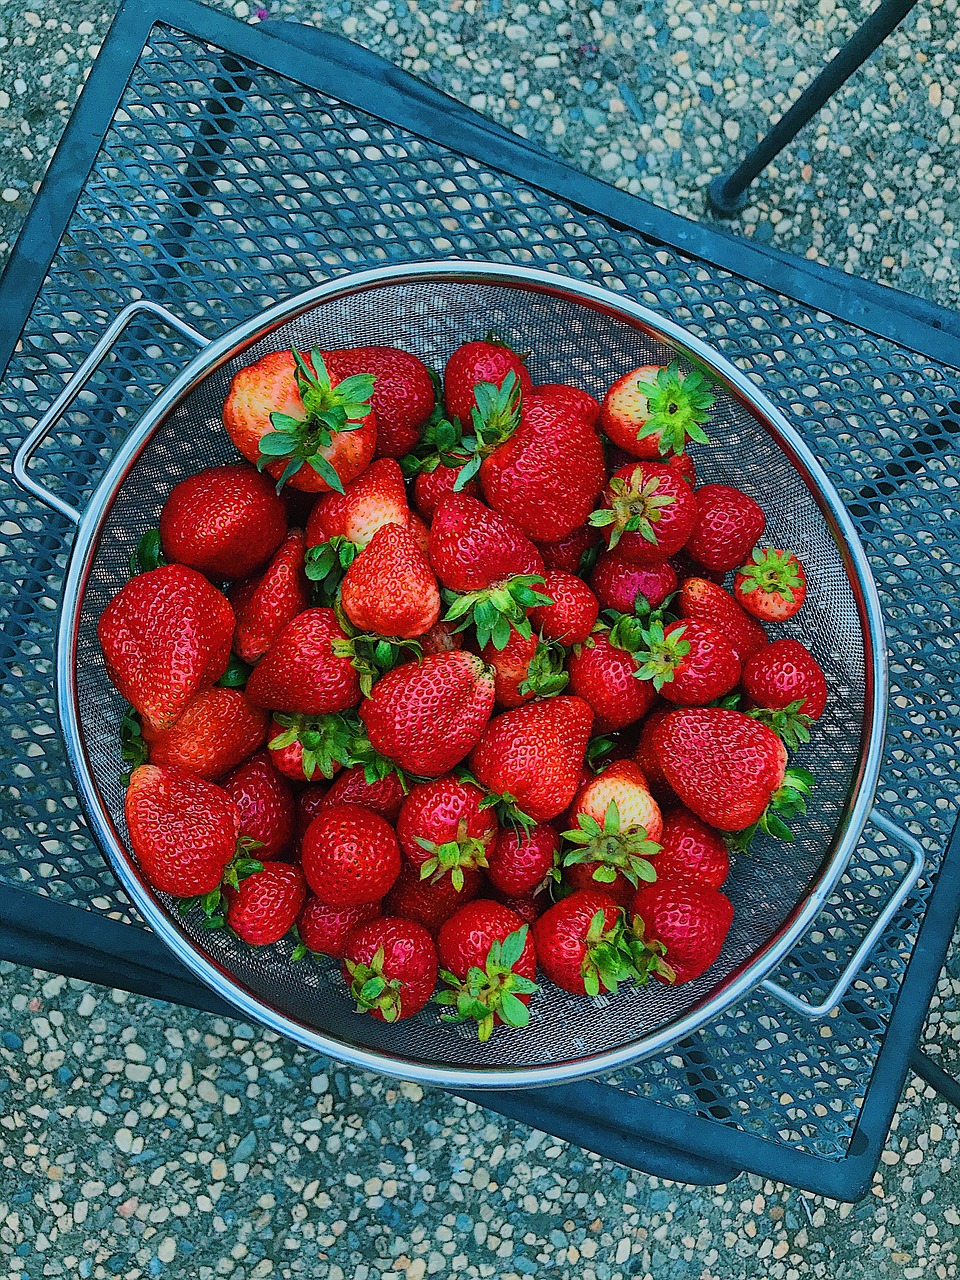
(576, 333)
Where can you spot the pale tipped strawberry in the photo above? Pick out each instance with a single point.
(688, 662)
(647, 512)
(690, 922)
(614, 827)
(390, 588)
(488, 963)
(605, 673)
(584, 946)
(653, 411)
(727, 525)
(272, 600)
(266, 903)
(626, 587)
(787, 688)
(445, 829)
(474, 363)
(573, 613)
(302, 672)
(691, 850)
(218, 729)
(771, 585)
(390, 966)
(525, 668)
(707, 602)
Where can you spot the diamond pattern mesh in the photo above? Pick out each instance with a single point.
(221, 188)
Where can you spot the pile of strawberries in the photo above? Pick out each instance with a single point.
(443, 680)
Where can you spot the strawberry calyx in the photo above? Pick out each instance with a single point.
(648, 954)
(491, 991)
(214, 904)
(497, 610)
(598, 749)
(789, 723)
(326, 563)
(370, 654)
(236, 675)
(771, 572)
(451, 858)
(328, 411)
(372, 989)
(362, 754)
(133, 747)
(300, 948)
(662, 654)
(546, 675)
(325, 741)
(440, 444)
(633, 509)
(612, 849)
(505, 806)
(678, 405)
(147, 554)
(787, 801)
(611, 955)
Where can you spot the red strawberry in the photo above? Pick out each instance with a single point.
(621, 585)
(647, 512)
(479, 362)
(472, 547)
(429, 902)
(267, 604)
(727, 525)
(350, 855)
(707, 602)
(572, 552)
(402, 398)
(689, 920)
(615, 824)
(310, 803)
(688, 662)
(683, 465)
(226, 522)
(377, 497)
(390, 966)
(309, 747)
(427, 715)
(528, 907)
(520, 861)
(218, 729)
(383, 795)
(653, 411)
(583, 945)
(772, 585)
(286, 414)
(266, 805)
(571, 617)
(302, 672)
(646, 757)
(430, 488)
(165, 635)
(525, 668)
(441, 638)
(730, 770)
(604, 673)
(531, 756)
(390, 588)
(183, 830)
(691, 850)
(572, 399)
(266, 904)
(785, 679)
(488, 961)
(444, 828)
(325, 930)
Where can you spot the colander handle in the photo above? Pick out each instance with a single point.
(874, 933)
(72, 389)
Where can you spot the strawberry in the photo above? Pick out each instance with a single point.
(443, 637)
(580, 403)
(225, 522)
(265, 803)
(626, 587)
(771, 585)
(437, 463)
(325, 930)
(604, 672)
(584, 947)
(531, 757)
(444, 828)
(264, 606)
(683, 465)
(430, 488)
(647, 512)
(403, 395)
(689, 920)
(375, 498)
(390, 588)
(730, 770)
(786, 681)
(572, 616)
(266, 904)
(525, 668)
(302, 673)
(615, 824)
(310, 802)
(646, 757)
(218, 729)
(307, 747)
(688, 662)
(519, 862)
(707, 602)
(623, 783)
(390, 966)
(691, 850)
(527, 906)
(573, 553)
(653, 411)
(350, 855)
(293, 420)
(488, 962)
(420, 533)
(383, 795)
(473, 363)
(165, 635)
(183, 830)
(727, 525)
(429, 902)
(426, 715)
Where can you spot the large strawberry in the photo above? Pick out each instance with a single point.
(584, 947)
(302, 673)
(574, 553)
(707, 602)
(525, 668)
(615, 825)
(691, 850)
(572, 616)
(266, 903)
(390, 966)
(350, 855)
(183, 830)
(290, 417)
(489, 963)
(444, 828)
(531, 757)
(325, 930)
(266, 805)
(165, 635)
(429, 902)
(390, 588)
(727, 525)
(426, 716)
(787, 685)
(218, 729)
(226, 522)
(690, 921)
(520, 861)
(771, 585)
(403, 396)
(264, 606)
(647, 512)
(688, 662)
(627, 587)
(605, 673)
(473, 363)
(580, 403)
(653, 411)
(384, 795)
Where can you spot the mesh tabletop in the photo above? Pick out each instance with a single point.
(222, 187)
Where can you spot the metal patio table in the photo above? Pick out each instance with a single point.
(216, 167)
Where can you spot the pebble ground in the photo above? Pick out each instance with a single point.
(138, 1139)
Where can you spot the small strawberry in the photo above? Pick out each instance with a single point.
(390, 966)
(225, 522)
(626, 587)
(403, 395)
(691, 850)
(309, 747)
(437, 463)
(771, 585)
(654, 411)
(267, 604)
(301, 673)
(690, 921)
(707, 602)
(787, 684)
(615, 824)
(573, 554)
(266, 805)
(383, 795)
(605, 673)
(325, 930)
(443, 637)
(519, 862)
(429, 902)
(217, 729)
(727, 525)
(165, 635)
(488, 961)
(426, 716)
(430, 488)
(683, 465)
(524, 669)
(474, 363)
(528, 906)
(623, 783)
(647, 512)
(572, 399)
(309, 803)
(688, 662)
(531, 757)
(266, 904)
(350, 855)
(572, 616)
(444, 828)
(584, 947)
(390, 588)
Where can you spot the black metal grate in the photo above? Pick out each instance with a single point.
(222, 187)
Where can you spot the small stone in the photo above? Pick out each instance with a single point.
(166, 1251)
(124, 1140)
(731, 129)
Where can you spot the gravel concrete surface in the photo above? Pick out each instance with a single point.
(137, 1139)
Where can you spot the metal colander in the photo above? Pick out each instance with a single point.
(576, 333)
